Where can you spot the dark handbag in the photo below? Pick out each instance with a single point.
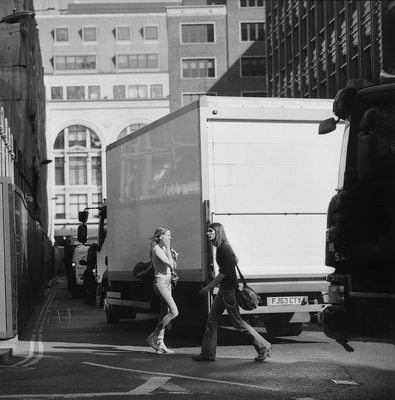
(144, 271)
(247, 298)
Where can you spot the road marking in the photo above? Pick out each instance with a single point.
(345, 382)
(31, 359)
(183, 376)
(152, 384)
(146, 388)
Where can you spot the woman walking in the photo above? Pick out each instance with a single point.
(226, 299)
(163, 259)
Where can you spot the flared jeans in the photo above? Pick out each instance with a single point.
(226, 299)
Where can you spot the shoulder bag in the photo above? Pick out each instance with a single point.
(247, 298)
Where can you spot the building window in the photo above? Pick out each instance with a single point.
(78, 170)
(253, 67)
(63, 63)
(119, 92)
(77, 203)
(123, 33)
(251, 3)
(61, 34)
(94, 92)
(198, 68)
(137, 61)
(57, 93)
(89, 34)
(59, 171)
(137, 91)
(96, 170)
(252, 31)
(156, 91)
(197, 33)
(75, 92)
(150, 33)
(96, 202)
(78, 173)
(130, 129)
(60, 206)
(188, 98)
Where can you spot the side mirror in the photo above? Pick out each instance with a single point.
(83, 216)
(82, 233)
(327, 126)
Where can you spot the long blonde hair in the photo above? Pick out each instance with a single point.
(155, 239)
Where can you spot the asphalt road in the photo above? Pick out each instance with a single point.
(69, 351)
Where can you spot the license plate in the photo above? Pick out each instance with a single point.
(286, 301)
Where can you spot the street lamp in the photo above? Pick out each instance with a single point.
(18, 16)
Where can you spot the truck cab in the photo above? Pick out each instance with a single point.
(360, 234)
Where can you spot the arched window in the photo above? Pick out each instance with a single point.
(78, 171)
(130, 129)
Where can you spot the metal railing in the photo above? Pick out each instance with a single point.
(7, 154)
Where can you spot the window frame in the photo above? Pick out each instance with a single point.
(247, 6)
(249, 76)
(161, 90)
(182, 59)
(62, 90)
(89, 151)
(156, 40)
(249, 39)
(83, 35)
(76, 99)
(75, 69)
(61, 41)
(123, 40)
(131, 68)
(198, 23)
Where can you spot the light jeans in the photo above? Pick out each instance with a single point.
(168, 307)
(226, 299)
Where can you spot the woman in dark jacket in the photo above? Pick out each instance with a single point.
(226, 299)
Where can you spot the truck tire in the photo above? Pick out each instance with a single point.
(280, 326)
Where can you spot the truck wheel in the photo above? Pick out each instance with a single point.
(111, 316)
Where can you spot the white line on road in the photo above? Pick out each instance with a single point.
(37, 333)
(152, 384)
(183, 376)
(146, 388)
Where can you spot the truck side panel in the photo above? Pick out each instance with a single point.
(159, 185)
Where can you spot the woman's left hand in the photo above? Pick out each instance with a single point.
(174, 254)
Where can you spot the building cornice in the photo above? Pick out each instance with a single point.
(187, 11)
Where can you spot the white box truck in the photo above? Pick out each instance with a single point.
(257, 166)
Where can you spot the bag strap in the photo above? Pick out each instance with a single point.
(241, 276)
